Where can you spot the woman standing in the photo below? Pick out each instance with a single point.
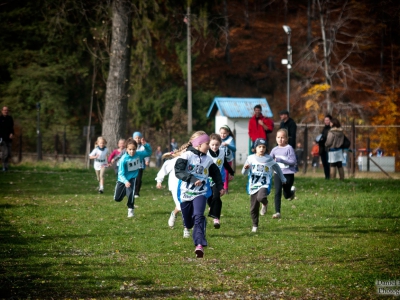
(334, 143)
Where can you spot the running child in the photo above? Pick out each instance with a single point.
(114, 157)
(285, 156)
(128, 171)
(99, 154)
(315, 156)
(259, 168)
(169, 168)
(137, 136)
(229, 146)
(218, 155)
(193, 168)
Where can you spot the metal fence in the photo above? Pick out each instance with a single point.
(365, 141)
(57, 146)
(62, 146)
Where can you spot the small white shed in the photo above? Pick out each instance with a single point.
(236, 112)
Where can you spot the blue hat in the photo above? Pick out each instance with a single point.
(259, 142)
(137, 133)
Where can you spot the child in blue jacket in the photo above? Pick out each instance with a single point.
(128, 171)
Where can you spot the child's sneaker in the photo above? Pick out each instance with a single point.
(293, 189)
(254, 229)
(136, 196)
(171, 220)
(217, 225)
(101, 191)
(276, 216)
(263, 210)
(130, 212)
(186, 233)
(199, 251)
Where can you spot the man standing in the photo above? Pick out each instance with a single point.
(290, 125)
(259, 126)
(322, 149)
(6, 135)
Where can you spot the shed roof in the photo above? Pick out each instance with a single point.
(238, 107)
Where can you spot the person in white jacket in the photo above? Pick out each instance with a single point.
(169, 168)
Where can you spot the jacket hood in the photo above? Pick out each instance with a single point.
(195, 151)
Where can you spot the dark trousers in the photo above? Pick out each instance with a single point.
(193, 217)
(325, 164)
(139, 181)
(6, 152)
(255, 200)
(287, 193)
(121, 191)
(215, 203)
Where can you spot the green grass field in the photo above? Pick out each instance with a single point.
(60, 239)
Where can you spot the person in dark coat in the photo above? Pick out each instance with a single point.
(323, 153)
(290, 125)
(6, 136)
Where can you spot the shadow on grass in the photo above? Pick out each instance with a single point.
(343, 230)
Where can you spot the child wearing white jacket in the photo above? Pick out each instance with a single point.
(169, 168)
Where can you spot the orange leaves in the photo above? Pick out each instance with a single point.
(387, 113)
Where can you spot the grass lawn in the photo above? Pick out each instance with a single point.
(61, 239)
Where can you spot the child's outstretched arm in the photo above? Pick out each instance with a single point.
(291, 158)
(112, 155)
(166, 168)
(231, 145)
(93, 156)
(147, 150)
(121, 174)
(246, 168)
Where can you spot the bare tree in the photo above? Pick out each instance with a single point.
(334, 60)
(246, 15)
(115, 112)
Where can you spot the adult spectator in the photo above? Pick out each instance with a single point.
(6, 136)
(334, 143)
(174, 145)
(259, 126)
(158, 155)
(290, 125)
(321, 142)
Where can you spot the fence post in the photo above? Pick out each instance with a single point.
(20, 149)
(56, 146)
(64, 143)
(39, 134)
(305, 150)
(368, 145)
(353, 147)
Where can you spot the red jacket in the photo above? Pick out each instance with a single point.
(257, 131)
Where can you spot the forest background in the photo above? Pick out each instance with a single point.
(346, 61)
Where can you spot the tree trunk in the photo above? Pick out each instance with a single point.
(115, 111)
(326, 62)
(227, 46)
